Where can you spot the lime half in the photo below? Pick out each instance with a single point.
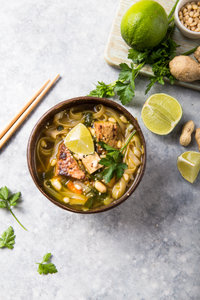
(79, 140)
(188, 164)
(161, 113)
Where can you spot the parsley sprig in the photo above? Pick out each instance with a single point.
(158, 58)
(113, 161)
(103, 90)
(46, 267)
(124, 87)
(7, 239)
(8, 200)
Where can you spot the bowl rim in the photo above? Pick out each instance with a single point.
(188, 32)
(74, 102)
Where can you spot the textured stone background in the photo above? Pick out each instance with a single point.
(147, 248)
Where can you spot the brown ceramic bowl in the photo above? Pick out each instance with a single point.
(87, 101)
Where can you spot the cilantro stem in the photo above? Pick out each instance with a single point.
(16, 218)
(128, 141)
(173, 10)
(190, 51)
(170, 20)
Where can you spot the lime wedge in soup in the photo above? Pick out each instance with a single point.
(188, 164)
(79, 140)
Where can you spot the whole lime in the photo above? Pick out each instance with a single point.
(144, 25)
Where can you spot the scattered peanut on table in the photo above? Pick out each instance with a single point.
(186, 134)
(189, 16)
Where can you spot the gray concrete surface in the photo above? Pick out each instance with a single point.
(145, 249)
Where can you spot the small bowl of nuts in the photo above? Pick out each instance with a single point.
(187, 18)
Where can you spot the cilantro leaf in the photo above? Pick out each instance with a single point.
(105, 162)
(125, 73)
(2, 204)
(7, 239)
(113, 161)
(109, 173)
(46, 257)
(120, 170)
(137, 56)
(46, 267)
(106, 146)
(125, 85)
(116, 155)
(7, 200)
(14, 198)
(103, 90)
(124, 91)
(4, 193)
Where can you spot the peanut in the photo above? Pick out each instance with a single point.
(119, 144)
(53, 162)
(197, 137)
(56, 184)
(100, 187)
(187, 131)
(66, 199)
(126, 177)
(188, 13)
(111, 120)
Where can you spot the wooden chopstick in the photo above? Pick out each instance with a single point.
(10, 124)
(24, 115)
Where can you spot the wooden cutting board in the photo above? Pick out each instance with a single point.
(116, 51)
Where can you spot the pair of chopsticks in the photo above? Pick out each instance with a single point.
(13, 125)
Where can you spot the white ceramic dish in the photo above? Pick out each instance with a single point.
(186, 32)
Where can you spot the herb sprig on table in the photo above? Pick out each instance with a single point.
(7, 239)
(8, 200)
(124, 87)
(46, 267)
(113, 161)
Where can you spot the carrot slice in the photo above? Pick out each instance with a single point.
(72, 188)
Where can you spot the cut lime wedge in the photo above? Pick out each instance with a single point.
(79, 140)
(188, 164)
(161, 113)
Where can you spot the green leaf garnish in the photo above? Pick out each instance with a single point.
(7, 239)
(113, 161)
(46, 267)
(103, 90)
(8, 200)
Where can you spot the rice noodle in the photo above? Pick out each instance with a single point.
(99, 111)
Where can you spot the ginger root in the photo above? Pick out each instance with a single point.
(197, 137)
(186, 134)
(185, 68)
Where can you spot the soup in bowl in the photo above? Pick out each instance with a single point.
(87, 154)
